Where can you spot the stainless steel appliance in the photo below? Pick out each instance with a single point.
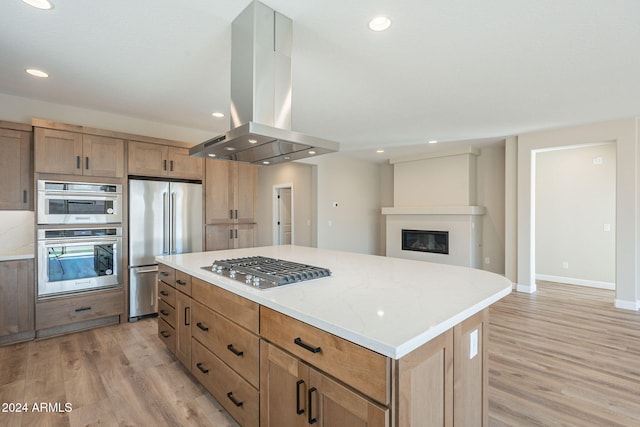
(79, 203)
(264, 272)
(165, 217)
(77, 260)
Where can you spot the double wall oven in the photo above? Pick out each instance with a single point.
(79, 239)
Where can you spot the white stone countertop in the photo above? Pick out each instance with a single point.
(389, 305)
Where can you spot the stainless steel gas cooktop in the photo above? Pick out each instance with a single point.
(263, 272)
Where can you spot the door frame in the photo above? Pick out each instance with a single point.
(276, 236)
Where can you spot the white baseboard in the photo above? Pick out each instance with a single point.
(527, 289)
(574, 281)
(627, 305)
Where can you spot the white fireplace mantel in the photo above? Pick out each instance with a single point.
(435, 210)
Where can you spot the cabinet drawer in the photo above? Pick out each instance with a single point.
(64, 311)
(166, 312)
(240, 310)
(167, 275)
(167, 334)
(183, 282)
(167, 293)
(236, 346)
(363, 369)
(235, 394)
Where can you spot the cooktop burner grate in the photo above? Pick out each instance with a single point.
(263, 272)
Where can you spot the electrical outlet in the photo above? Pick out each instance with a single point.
(565, 264)
(607, 227)
(487, 260)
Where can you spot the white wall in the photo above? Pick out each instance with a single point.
(574, 198)
(22, 110)
(624, 133)
(300, 176)
(353, 225)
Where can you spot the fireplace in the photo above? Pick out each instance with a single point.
(435, 242)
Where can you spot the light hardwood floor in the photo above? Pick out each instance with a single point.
(561, 357)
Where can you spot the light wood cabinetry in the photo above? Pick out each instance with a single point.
(229, 236)
(150, 159)
(17, 289)
(269, 369)
(72, 153)
(174, 311)
(16, 171)
(75, 309)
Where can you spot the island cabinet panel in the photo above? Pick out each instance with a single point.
(166, 312)
(167, 293)
(425, 384)
(235, 308)
(294, 394)
(16, 171)
(167, 334)
(16, 300)
(183, 282)
(183, 328)
(361, 368)
(233, 392)
(471, 375)
(167, 275)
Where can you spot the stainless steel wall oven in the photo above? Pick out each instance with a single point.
(78, 260)
(79, 203)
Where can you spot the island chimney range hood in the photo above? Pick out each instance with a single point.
(261, 95)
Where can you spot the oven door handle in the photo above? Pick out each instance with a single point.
(77, 242)
(80, 196)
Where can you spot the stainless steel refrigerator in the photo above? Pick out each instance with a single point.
(165, 217)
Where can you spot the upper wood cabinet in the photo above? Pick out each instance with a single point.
(231, 191)
(151, 159)
(16, 172)
(71, 153)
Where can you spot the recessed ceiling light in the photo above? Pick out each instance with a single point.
(266, 162)
(379, 23)
(40, 4)
(433, 141)
(287, 158)
(211, 155)
(252, 141)
(217, 115)
(312, 152)
(36, 73)
(230, 148)
(379, 151)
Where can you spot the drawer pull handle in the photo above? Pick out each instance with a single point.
(181, 283)
(164, 273)
(201, 326)
(165, 334)
(234, 351)
(82, 309)
(308, 347)
(199, 366)
(164, 312)
(233, 399)
(187, 316)
(311, 418)
(299, 410)
(164, 294)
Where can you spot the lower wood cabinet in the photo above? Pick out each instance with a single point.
(229, 236)
(74, 309)
(295, 394)
(183, 328)
(17, 289)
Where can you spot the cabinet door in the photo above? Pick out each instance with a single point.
(218, 236)
(16, 297)
(147, 159)
(284, 386)
(245, 191)
(244, 235)
(103, 156)
(330, 404)
(16, 191)
(58, 151)
(218, 187)
(183, 329)
(181, 165)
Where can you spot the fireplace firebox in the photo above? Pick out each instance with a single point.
(426, 241)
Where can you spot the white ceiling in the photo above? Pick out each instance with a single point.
(449, 70)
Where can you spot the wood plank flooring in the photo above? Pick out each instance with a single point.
(119, 375)
(561, 357)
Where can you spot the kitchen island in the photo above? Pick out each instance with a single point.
(382, 341)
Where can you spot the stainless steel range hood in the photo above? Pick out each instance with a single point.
(261, 95)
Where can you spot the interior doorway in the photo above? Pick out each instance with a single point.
(283, 230)
(573, 214)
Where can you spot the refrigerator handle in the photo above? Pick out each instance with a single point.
(165, 209)
(173, 223)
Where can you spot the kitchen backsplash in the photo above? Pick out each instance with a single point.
(17, 232)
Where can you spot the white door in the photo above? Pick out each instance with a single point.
(284, 216)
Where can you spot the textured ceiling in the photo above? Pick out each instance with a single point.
(446, 70)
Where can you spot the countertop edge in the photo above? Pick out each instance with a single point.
(15, 257)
